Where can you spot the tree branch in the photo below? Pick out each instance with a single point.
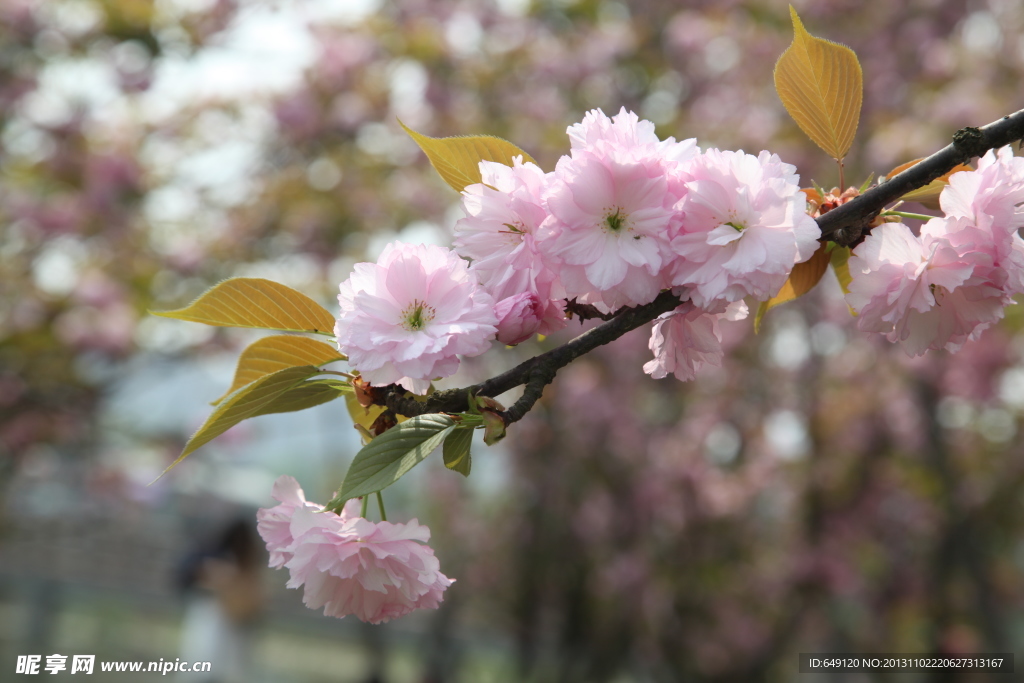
(847, 223)
(537, 372)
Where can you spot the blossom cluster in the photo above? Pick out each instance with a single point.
(622, 217)
(349, 564)
(939, 289)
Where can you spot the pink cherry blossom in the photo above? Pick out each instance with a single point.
(348, 564)
(274, 524)
(945, 287)
(989, 197)
(687, 338)
(407, 318)
(626, 133)
(519, 317)
(503, 214)
(611, 209)
(925, 292)
(744, 227)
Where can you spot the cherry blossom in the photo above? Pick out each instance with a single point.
(407, 318)
(348, 564)
(744, 227)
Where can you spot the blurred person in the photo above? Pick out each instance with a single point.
(223, 602)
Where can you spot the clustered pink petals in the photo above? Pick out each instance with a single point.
(407, 318)
(744, 227)
(944, 287)
(611, 207)
(348, 564)
(623, 217)
(687, 338)
(499, 235)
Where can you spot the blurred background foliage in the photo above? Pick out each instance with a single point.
(820, 492)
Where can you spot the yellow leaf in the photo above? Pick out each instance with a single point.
(277, 352)
(821, 85)
(801, 280)
(254, 302)
(251, 400)
(458, 159)
(929, 194)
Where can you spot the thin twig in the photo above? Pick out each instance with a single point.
(540, 369)
(846, 224)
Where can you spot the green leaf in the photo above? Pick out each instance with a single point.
(306, 395)
(457, 159)
(801, 280)
(385, 459)
(277, 352)
(253, 399)
(867, 183)
(821, 85)
(456, 451)
(840, 264)
(254, 302)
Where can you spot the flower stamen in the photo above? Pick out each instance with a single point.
(417, 316)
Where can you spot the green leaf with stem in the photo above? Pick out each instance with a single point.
(384, 460)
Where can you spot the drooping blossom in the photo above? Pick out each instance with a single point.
(686, 339)
(945, 287)
(407, 318)
(348, 564)
(913, 289)
(610, 208)
(499, 235)
(744, 227)
(274, 524)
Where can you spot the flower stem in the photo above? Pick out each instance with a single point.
(339, 374)
(366, 501)
(380, 504)
(907, 214)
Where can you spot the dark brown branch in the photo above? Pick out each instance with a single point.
(586, 311)
(536, 373)
(845, 224)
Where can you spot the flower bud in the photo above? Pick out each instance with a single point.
(519, 317)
